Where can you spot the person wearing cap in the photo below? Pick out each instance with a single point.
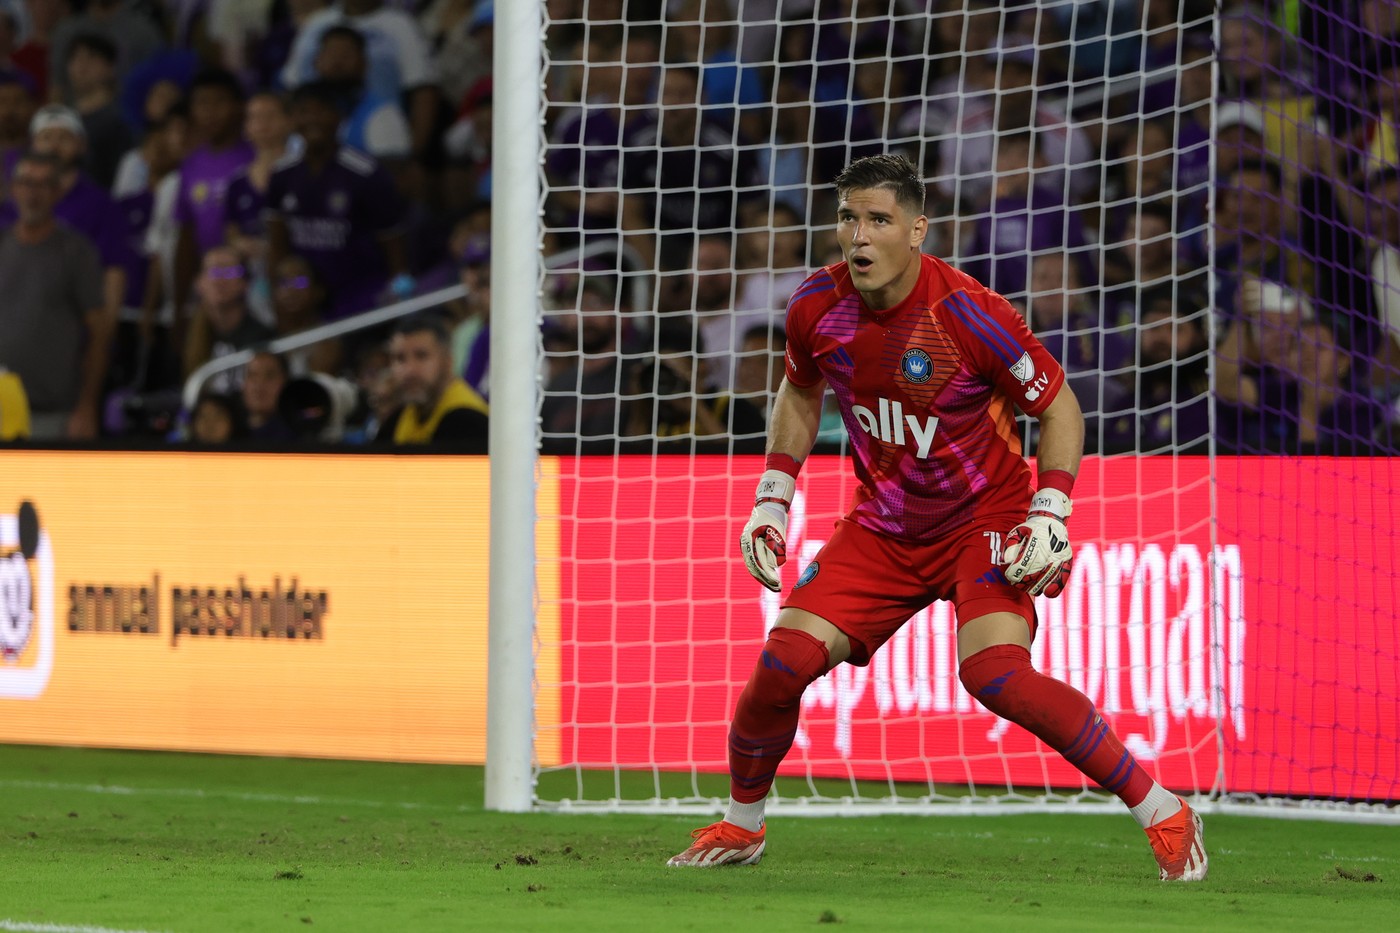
(57, 331)
(58, 131)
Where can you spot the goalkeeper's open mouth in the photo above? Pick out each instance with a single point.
(862, 264)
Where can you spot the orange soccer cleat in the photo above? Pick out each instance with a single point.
(720, 844)
(1179, 844)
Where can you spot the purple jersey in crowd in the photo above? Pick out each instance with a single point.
(335, 219)
(244, 204)
(204, 180)
(133, 217)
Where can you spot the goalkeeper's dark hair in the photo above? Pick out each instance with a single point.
(893, 172)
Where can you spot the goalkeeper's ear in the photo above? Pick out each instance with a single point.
(918, 233)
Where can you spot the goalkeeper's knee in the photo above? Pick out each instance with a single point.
(791, 659)
(993, 677)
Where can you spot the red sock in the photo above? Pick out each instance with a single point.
(765, 719)
(1002, 679)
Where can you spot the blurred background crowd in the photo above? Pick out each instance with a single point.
(1166, 191)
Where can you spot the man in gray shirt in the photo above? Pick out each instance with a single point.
(54, 332)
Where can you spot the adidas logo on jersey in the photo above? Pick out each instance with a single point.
(889, 426)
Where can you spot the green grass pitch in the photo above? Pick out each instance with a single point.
(143, 841)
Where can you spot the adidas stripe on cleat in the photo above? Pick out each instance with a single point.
(720, 844)
(1178, 842)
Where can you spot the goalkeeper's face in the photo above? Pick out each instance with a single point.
(880, 240)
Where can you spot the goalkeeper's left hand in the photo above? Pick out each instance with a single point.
(1037, 556)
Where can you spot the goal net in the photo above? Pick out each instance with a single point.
(1226, 612)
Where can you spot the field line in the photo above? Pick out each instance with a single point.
(119, 790)
(19, 926)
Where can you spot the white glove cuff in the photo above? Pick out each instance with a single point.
(775, 484)
(1051, 502)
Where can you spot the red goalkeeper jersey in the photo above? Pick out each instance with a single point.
(926, 390)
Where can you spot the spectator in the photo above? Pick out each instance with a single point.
(1025, 216)
(1254, 235)
(16, 109)
(120, 21)
(1239, 135)
(57, 332)
(223, 325)
(1258, 59)
(708, 291)
(338, 208)
(963, 77)
(967, 159)
(83, 205)
(400, 62)
(31, 55)
(468, 146)
(1284, 384)
(265, 54)
(1062, 313)
(471, 337)
(581, 396)
(783, 164)
(163, 98)
(1167, 404)
(1143, 258)
(758, 372)
(299, 301)
(92, 64)
(374, 124)
(145, 356)
(268, 128)
(584, 154)
(665, 389)
(460, 32)
(263, 380)
(438, 407)
(162, 240)
(216, 120)
(216, 420)
(682, 173)
(733, 94)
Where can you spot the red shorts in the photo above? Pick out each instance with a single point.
(868, 584)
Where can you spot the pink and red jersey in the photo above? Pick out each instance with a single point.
(926, 390)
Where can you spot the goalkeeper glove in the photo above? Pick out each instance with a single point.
(1037, 556)
(763, 541)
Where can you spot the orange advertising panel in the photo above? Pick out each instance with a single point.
(326, 606)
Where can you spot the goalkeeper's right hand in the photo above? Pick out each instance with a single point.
(764, 540)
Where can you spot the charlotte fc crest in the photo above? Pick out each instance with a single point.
(916, 366)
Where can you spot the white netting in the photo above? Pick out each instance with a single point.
(689, 150)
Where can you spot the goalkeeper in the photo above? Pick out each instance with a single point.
(926, 364)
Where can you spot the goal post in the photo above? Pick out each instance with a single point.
(515, 352)
(674, 189)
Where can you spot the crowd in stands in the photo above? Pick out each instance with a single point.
(186, 179)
